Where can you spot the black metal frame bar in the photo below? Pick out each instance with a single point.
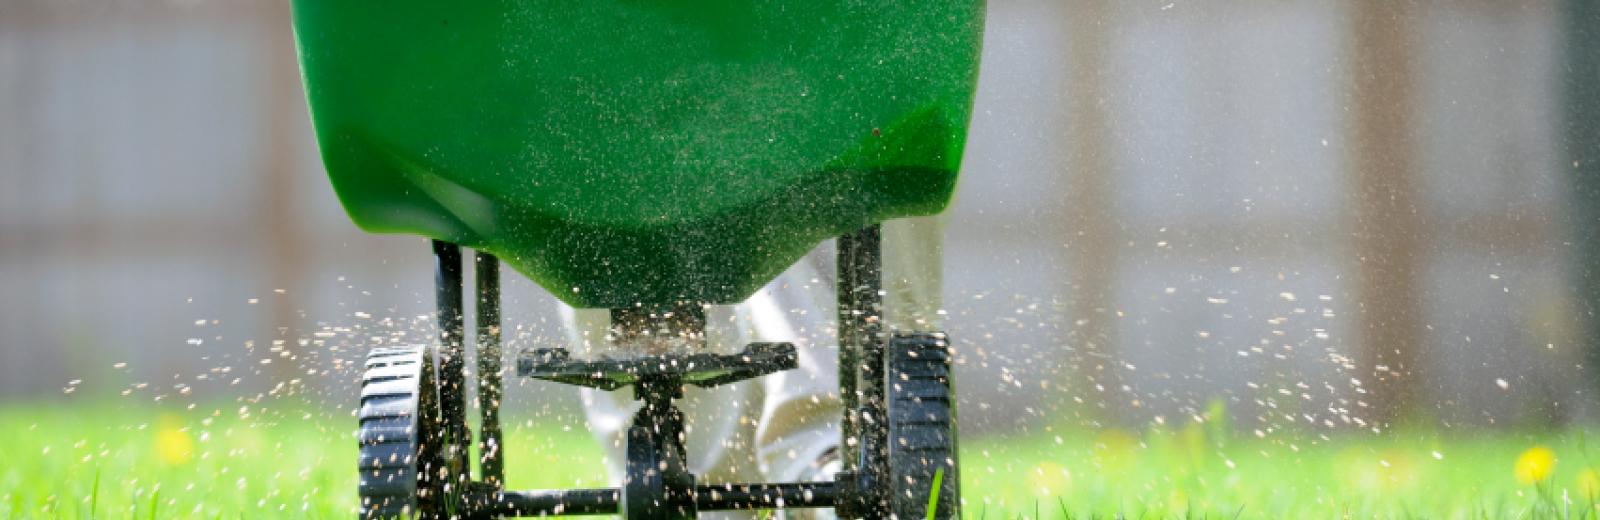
(860, 303)
(708, 497)
(491, 454)
(452, 361)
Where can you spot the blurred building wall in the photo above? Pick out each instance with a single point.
(1158, 211)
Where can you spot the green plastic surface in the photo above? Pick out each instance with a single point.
(623, 152)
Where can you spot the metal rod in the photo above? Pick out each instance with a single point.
(727, 497)
(452, 362)
(712, 497)
(849, 356)
(860, 265)
(557, 502)
(490, 449)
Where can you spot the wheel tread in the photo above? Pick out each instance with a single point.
(922, 425)
(389, 434)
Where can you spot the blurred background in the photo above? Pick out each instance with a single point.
(1339, 215)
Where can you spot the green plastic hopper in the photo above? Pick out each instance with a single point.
(623, 152)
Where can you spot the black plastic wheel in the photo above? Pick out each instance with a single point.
(399, 435)
(922, 427)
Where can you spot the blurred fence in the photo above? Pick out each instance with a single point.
(1319, 213)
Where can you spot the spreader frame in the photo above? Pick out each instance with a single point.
(658, 485)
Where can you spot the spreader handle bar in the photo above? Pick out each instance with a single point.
(714, 497)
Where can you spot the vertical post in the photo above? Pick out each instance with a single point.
(1091, 229)
(1388, 223)
(286, 238)
(1581, 89)
(860, 283)
(490, 449)
(452, 363)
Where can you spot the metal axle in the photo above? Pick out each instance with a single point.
(712, 497)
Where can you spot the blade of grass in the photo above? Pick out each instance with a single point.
(94, 495)
(933, 495)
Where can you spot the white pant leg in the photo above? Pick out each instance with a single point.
(800, 413)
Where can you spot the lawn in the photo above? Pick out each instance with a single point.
(110, 462)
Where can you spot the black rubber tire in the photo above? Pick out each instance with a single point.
(922, 426)
(399, 434)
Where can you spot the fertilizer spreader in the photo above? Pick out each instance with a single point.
(654, 158)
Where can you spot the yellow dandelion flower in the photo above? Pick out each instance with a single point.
(173, 444)
(1115, 452)
(1589, 484)
(1535, 465)
(1049, 479)
(1178, 500)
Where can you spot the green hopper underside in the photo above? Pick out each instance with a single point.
(623, 152)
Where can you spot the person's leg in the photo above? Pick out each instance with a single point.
(799, 420)
(798, 435)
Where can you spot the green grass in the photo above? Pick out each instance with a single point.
(107, 462)
(1195, 473)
